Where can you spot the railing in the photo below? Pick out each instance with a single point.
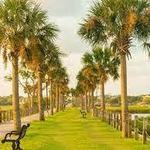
(7, 115)
(139, 128)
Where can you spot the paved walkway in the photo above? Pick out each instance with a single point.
(8, 126)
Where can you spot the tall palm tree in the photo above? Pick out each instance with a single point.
(24, 33)
(119, 23)
(52, 61)
(39, 43)
(13, 18)
(89, 71)
(60, 77)
(106, 66)
(39, 60)
(79, 93)
(64, 89)
(84, 84)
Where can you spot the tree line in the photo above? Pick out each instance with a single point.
(111, 27)
(27, 41)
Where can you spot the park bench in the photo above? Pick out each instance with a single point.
(14, 137)
(83, 113)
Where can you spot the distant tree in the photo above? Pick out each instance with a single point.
(106, 66)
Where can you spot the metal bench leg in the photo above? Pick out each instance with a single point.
(18, 145)
(13, 146)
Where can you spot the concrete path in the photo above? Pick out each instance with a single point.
(8, 126)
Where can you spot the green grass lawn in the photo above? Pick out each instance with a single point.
(68, 131)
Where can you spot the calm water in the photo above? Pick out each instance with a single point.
(139, 115)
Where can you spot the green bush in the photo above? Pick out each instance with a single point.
(140, 125)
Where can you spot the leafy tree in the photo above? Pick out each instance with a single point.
(27, 80)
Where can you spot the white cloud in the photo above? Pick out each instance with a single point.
(72, 62)
(59, 8)
(67, 15)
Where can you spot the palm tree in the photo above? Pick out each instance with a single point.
(106, 65)
(119, 23)
(39, 62)
(41, 42)
(84, 84)
(12, 42)
(23, 31)
(89, 71)
(78, 93)
(60, 77)
(52, 61)
(64, 89)
(91, 75)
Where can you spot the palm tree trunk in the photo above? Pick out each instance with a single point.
(29, 104)
(92, 98)
(102, 90)
(63, 102)
(15, 94)
(32, 103)
(60, 98)
(92, 101)
(124, 102)
(57, 98)
(54, 96)
(40, 98)
(82, 102)
(47, 100)
(86, 100)
(51, 99)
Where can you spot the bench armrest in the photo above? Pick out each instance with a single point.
(10, 134)
(14, 132)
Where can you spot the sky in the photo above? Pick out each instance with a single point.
(67, 14)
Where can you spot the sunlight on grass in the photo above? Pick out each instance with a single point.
(68, 131)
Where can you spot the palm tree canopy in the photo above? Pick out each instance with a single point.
(24, 30)
(12, 27)
(41, 45)
(117, 22)
(104, 62)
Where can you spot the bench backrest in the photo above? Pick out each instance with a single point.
(83, 112)
(23, 131)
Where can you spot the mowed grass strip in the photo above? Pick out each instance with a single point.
(68, 131)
